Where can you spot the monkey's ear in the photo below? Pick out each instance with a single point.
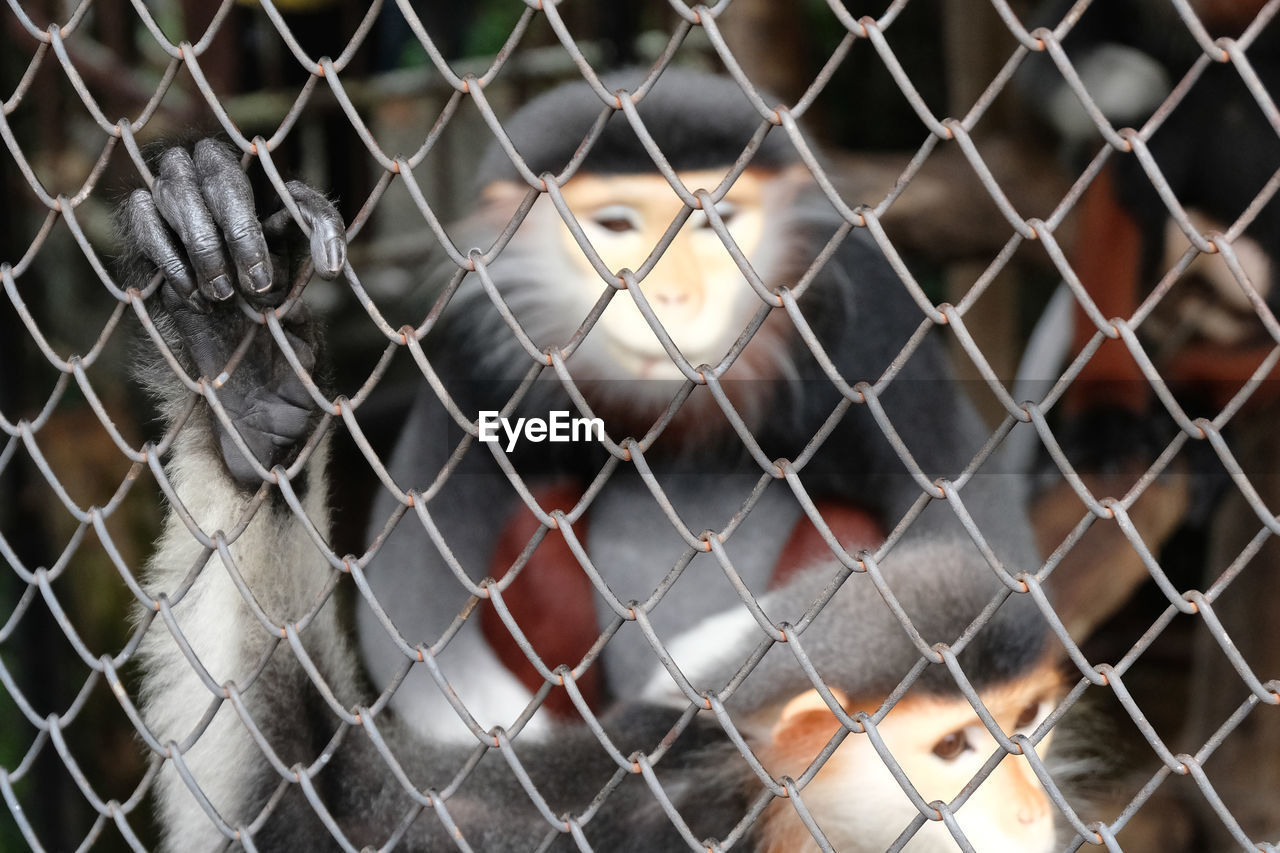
(807, 717)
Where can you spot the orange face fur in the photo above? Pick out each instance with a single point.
(699, 293)
(940, 744)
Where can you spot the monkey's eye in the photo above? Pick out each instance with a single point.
(952, 746)
(724, 209)
(1027, 718)
(617, 218)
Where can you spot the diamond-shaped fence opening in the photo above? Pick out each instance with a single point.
(518, 615)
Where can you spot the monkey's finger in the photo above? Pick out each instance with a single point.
(328, 233)
(178, 198)
(229, 198)
(157, 243)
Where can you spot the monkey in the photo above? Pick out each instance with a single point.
(246, 480)
(937, 738)
(1215, 150)
(1182, 237)
(1202, 315)
(772, 212)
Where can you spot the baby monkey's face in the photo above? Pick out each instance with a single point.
(940, 745)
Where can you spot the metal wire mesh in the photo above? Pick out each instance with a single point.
(68, 356)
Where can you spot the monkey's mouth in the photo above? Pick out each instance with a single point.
(650, 363)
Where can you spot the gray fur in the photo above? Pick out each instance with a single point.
(857, 644)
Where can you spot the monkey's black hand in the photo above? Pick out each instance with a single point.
(199, 226)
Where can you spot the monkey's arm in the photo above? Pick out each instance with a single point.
(199, 227)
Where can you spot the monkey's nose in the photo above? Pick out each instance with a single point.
(672, 299)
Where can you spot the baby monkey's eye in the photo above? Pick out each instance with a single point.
(1029, 715)
(952, 746)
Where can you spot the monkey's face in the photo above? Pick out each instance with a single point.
(941, 745)
(697, 291)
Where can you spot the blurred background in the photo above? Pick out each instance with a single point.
(86, 85)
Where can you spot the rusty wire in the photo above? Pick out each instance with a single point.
(23, 434)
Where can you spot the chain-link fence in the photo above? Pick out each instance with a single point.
(1130, 149)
